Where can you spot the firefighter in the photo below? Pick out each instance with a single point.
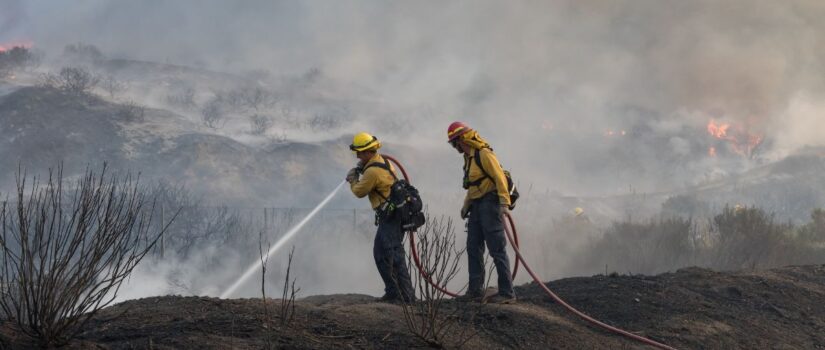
(486, 202)
(373, 177)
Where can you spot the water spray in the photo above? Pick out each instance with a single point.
(280, 243)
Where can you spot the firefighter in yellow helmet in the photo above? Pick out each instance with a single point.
(373, 177)
(487, 199)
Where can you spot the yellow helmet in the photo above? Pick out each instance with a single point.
(364, 142)
(578, 211)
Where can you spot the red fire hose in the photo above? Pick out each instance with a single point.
(566, 305)
(512, 236)
(414, 251)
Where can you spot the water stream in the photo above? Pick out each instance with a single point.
(280, 243)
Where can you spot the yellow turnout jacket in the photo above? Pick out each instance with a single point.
(373, 182)
(496, 182)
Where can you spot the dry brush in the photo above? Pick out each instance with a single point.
(66, 250)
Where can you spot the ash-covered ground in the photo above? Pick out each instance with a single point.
(690, 309)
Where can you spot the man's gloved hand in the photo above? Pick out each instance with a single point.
(465, 211)
(503, 209)
(352, 175)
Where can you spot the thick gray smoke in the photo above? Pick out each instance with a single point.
(577, 97)
(544, 81)
(10, 15)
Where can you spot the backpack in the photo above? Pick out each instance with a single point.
(404, 202)
(511, 185)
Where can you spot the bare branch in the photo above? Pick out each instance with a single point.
(431, 318)
(67, 250)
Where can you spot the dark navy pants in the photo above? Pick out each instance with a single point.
(485, 225)
(390, 260)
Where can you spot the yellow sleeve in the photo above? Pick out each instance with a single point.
(493, 168)
(365, 184)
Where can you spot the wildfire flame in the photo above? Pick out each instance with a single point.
(718, 131)
(738, 138)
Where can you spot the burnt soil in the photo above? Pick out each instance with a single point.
(692, 308)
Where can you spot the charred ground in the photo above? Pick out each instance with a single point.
(690, 309)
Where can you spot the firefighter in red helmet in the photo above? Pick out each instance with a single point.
(487, 199)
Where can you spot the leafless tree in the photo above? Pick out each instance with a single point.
(73, 80)
(112, 86)
(258, 98)
(287, 310)
(259, 124)
(433, 318)
(200, 225)
(246, 98)
(67, 250)
(264, 260)
(132, 111)
(212, 114)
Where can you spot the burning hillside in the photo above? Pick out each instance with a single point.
(736, 138)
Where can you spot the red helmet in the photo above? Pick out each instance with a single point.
(456, 129)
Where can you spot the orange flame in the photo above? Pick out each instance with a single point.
(740, 140)
(718, 131)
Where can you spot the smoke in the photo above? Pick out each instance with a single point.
(799, 125)
(572, 64)
(11, 14)
(577, 97)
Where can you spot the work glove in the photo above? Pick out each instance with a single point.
(465, 211)
(503, 209)
(352, 175)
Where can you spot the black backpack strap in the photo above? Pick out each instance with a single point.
(480, 166)
(477, 159)
(386, 166)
